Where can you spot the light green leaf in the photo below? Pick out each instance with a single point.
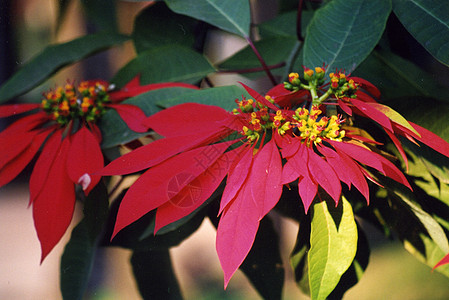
(394, 116)
(344, 32)
(222, 96)
(428, 22)
(53, 58)
(114, 129)
(333, 246)
(230, 15)
(168, 63)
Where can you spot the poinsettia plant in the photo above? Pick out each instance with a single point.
(334, 127)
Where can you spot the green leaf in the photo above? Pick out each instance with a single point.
(427, 21)
(263, 264)
(79, 253)
(114, 129)
(276, 50)
(222, 96)
(285, 25)
(165, 64)
(230, 15)
(153, 23)
(344, 32)
(333, 242)
(53, 58)
(432, 227)
(76, 263)
(397, 77)
(355, 272)
(102, 13)
(154, 274)
(299, 258)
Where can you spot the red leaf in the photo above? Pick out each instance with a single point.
(14, 109)
(344, 107)
(22, 125)
(195, 193)
(307, 191)
(347, 170)
(373, 114)
(150, 155)
(398, 145)
(365, 97)
(371, 159)
(132, 115)
(443, 261)
(188, 118)
(237, 176)
(163, 182)
(236, 232)
(286, 98)
(13, 168)
(43, 164)
(259, 98)
(133, 88)
(53, 207)
(265, 178)
(84, 157)
(14, 145)
(431, 139)
(323, 174)
(289, 172)
(367, 86)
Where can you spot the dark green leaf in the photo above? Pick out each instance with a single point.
(153, 23)
(222, 96)
(102, 13)
(263, 264)
(78, 256)
(114, 129)
(165, 64)
(344, 32)
(230, 15)
(53, 58)
(285, 25)
(333, 245)
(154, 274)
(76, 263)
(397, 77)
(299, 259)
(275, 50)
(427, 21)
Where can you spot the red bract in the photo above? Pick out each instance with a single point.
(69, 154)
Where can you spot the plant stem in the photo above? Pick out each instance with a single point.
(261, 60)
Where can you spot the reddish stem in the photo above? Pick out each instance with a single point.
(298, 22)
(261, 60)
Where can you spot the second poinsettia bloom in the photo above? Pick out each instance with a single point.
(64, 127)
